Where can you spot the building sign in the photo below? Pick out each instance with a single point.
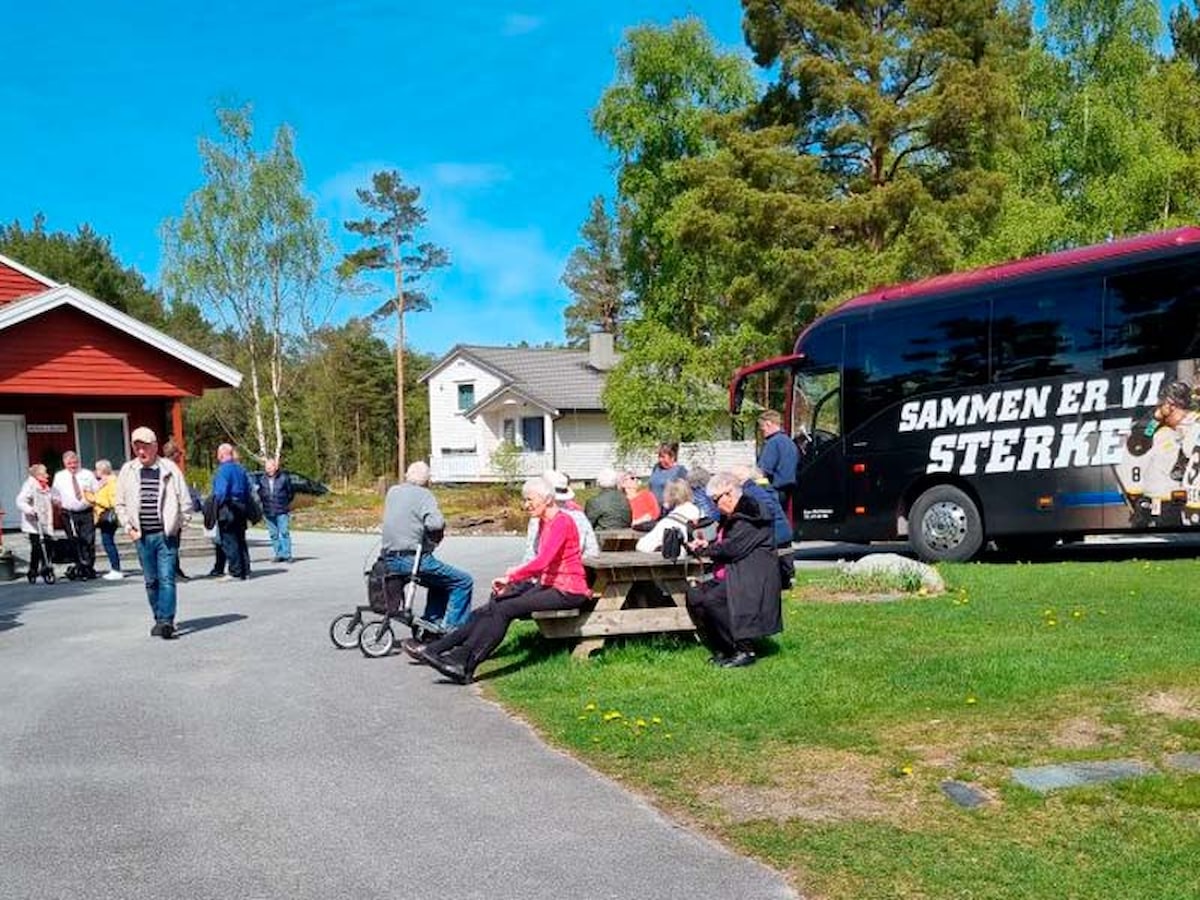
(46, 429)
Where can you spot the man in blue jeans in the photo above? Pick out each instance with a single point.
(411, 519)
(152, 506)
(276, 493)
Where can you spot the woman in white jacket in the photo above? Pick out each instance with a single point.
(35, 501)
(680, 513)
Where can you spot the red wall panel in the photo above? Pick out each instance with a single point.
(66, 351)
(14, 284)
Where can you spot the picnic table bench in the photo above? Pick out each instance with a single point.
(614, 611)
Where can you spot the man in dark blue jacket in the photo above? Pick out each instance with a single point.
(231, 494)
(276, 493)
(779, 459)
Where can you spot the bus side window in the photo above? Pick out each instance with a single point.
(1152, 316)
(1047, 329)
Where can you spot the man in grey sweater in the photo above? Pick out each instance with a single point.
(411, 519)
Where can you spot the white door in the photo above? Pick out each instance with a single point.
(14, 465)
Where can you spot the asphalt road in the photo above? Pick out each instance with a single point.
(250, 759)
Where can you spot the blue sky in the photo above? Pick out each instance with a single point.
(484, 105)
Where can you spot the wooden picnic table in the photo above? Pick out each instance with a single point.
(615, 612)
(615, 539)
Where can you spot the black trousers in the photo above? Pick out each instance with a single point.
(80, 526)
(482, 633)
(708, 605)
(39, 554)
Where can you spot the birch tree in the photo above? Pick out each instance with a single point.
(249, 249)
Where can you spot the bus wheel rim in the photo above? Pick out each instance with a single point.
(945, 525)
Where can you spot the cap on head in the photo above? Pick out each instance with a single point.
(143, 435)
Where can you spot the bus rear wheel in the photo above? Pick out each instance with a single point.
(945, 525)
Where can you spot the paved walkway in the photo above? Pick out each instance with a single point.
(250, 759)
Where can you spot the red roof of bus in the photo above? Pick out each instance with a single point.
(1063, 259)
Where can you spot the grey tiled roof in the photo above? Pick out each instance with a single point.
(561, 379)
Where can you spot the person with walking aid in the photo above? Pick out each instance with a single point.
(276, 493)
(35, 501)
(554, 579)
(105, 509)
(742, 602)
(74, 488)
(231, 494)
(412, 520)
(152, 507)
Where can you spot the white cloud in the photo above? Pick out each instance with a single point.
(516, 24)
(453, 175)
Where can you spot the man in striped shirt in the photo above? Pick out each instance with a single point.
(152, 507)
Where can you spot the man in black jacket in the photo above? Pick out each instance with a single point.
(276, 493)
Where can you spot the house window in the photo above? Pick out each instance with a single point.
(101, 436)
(466, 396)
(533, 434)
(508, 431)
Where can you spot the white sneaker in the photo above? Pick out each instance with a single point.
(113, 575)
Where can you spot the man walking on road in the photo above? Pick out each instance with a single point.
(152, 504)
(276, 493)
(231, 494)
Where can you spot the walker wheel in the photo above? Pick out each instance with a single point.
(344, 630)
(49, 577)
(376, 639)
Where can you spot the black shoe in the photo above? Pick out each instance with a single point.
(413, 649)
(717, 659)
(168, 631)
(739, 659)
(214, 573)
(452, 669)
(157, 630)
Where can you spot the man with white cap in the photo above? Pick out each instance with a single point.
(152, 506)
(564, 498)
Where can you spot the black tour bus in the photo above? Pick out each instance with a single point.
(1022, 403)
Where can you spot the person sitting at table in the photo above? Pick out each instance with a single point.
(609, 509)
(554, 579)
(742, 602)
(643, 506)
(565, 498)
(698, 479)
(681, 514)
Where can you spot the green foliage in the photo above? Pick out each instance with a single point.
(595, 277)
(506, 461)
(84, 260)
(666, 387)
(249, 249)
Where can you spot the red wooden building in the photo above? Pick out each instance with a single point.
(77, 374)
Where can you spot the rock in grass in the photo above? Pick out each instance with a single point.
(1044, 779)
(904, 573)
(1184, 762)
(965, 795)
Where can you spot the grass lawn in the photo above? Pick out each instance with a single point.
(825, 759)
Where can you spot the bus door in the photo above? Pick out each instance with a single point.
(819, 509)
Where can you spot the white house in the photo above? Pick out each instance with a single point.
(545, 401)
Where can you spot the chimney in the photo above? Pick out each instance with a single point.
(601, 356)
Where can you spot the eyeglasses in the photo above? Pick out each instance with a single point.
(717, 498)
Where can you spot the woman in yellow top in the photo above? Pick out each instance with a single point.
(104, 506)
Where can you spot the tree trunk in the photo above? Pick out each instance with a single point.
(398, 272)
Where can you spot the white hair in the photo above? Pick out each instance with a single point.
(537, 487)
(417, 473)
(607, 478)
(725, 481)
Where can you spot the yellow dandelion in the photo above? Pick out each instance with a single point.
(610, 715)
(596, 740)
(591, 707)
(1052, 622)
(640, 723)
(655, 720)
(1078, 614)
(971, 701)
(906, 770)
(581, 718)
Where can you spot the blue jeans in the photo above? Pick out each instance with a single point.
(108, 537)
(281, 536)
(449, 589)
(159, 554)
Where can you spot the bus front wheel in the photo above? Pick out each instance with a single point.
(945, 525)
